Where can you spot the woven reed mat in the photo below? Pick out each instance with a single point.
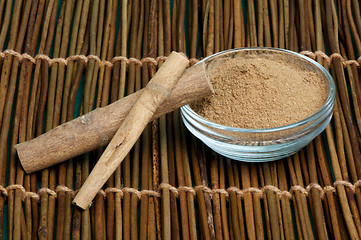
(61, 59)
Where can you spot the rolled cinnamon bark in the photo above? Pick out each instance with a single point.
(153, 95)
(97, 128)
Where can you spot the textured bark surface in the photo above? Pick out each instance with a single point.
(153, 95)
(97, 128)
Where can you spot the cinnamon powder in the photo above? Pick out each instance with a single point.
(261, 92)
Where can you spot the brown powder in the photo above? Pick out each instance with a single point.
(260, 92)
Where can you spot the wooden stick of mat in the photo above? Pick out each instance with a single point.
(23, 105)
(153, 95)
(145, 158)
(180, 145)
(165, 226)
(15, 214)
(131, 171)
(216, 197)
(123, 50)
(40, 89)
(153, 167)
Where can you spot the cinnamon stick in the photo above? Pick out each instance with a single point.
(96, 128)
(155, 93)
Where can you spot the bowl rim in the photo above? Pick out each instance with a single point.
(329, 101)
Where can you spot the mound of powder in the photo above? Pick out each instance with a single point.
(257, 92)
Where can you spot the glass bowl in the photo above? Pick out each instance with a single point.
(262, 145)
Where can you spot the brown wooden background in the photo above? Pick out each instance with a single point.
(313, 194)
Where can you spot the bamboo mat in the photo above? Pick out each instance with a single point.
(171, 185)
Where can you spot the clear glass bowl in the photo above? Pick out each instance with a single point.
(261, 145)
